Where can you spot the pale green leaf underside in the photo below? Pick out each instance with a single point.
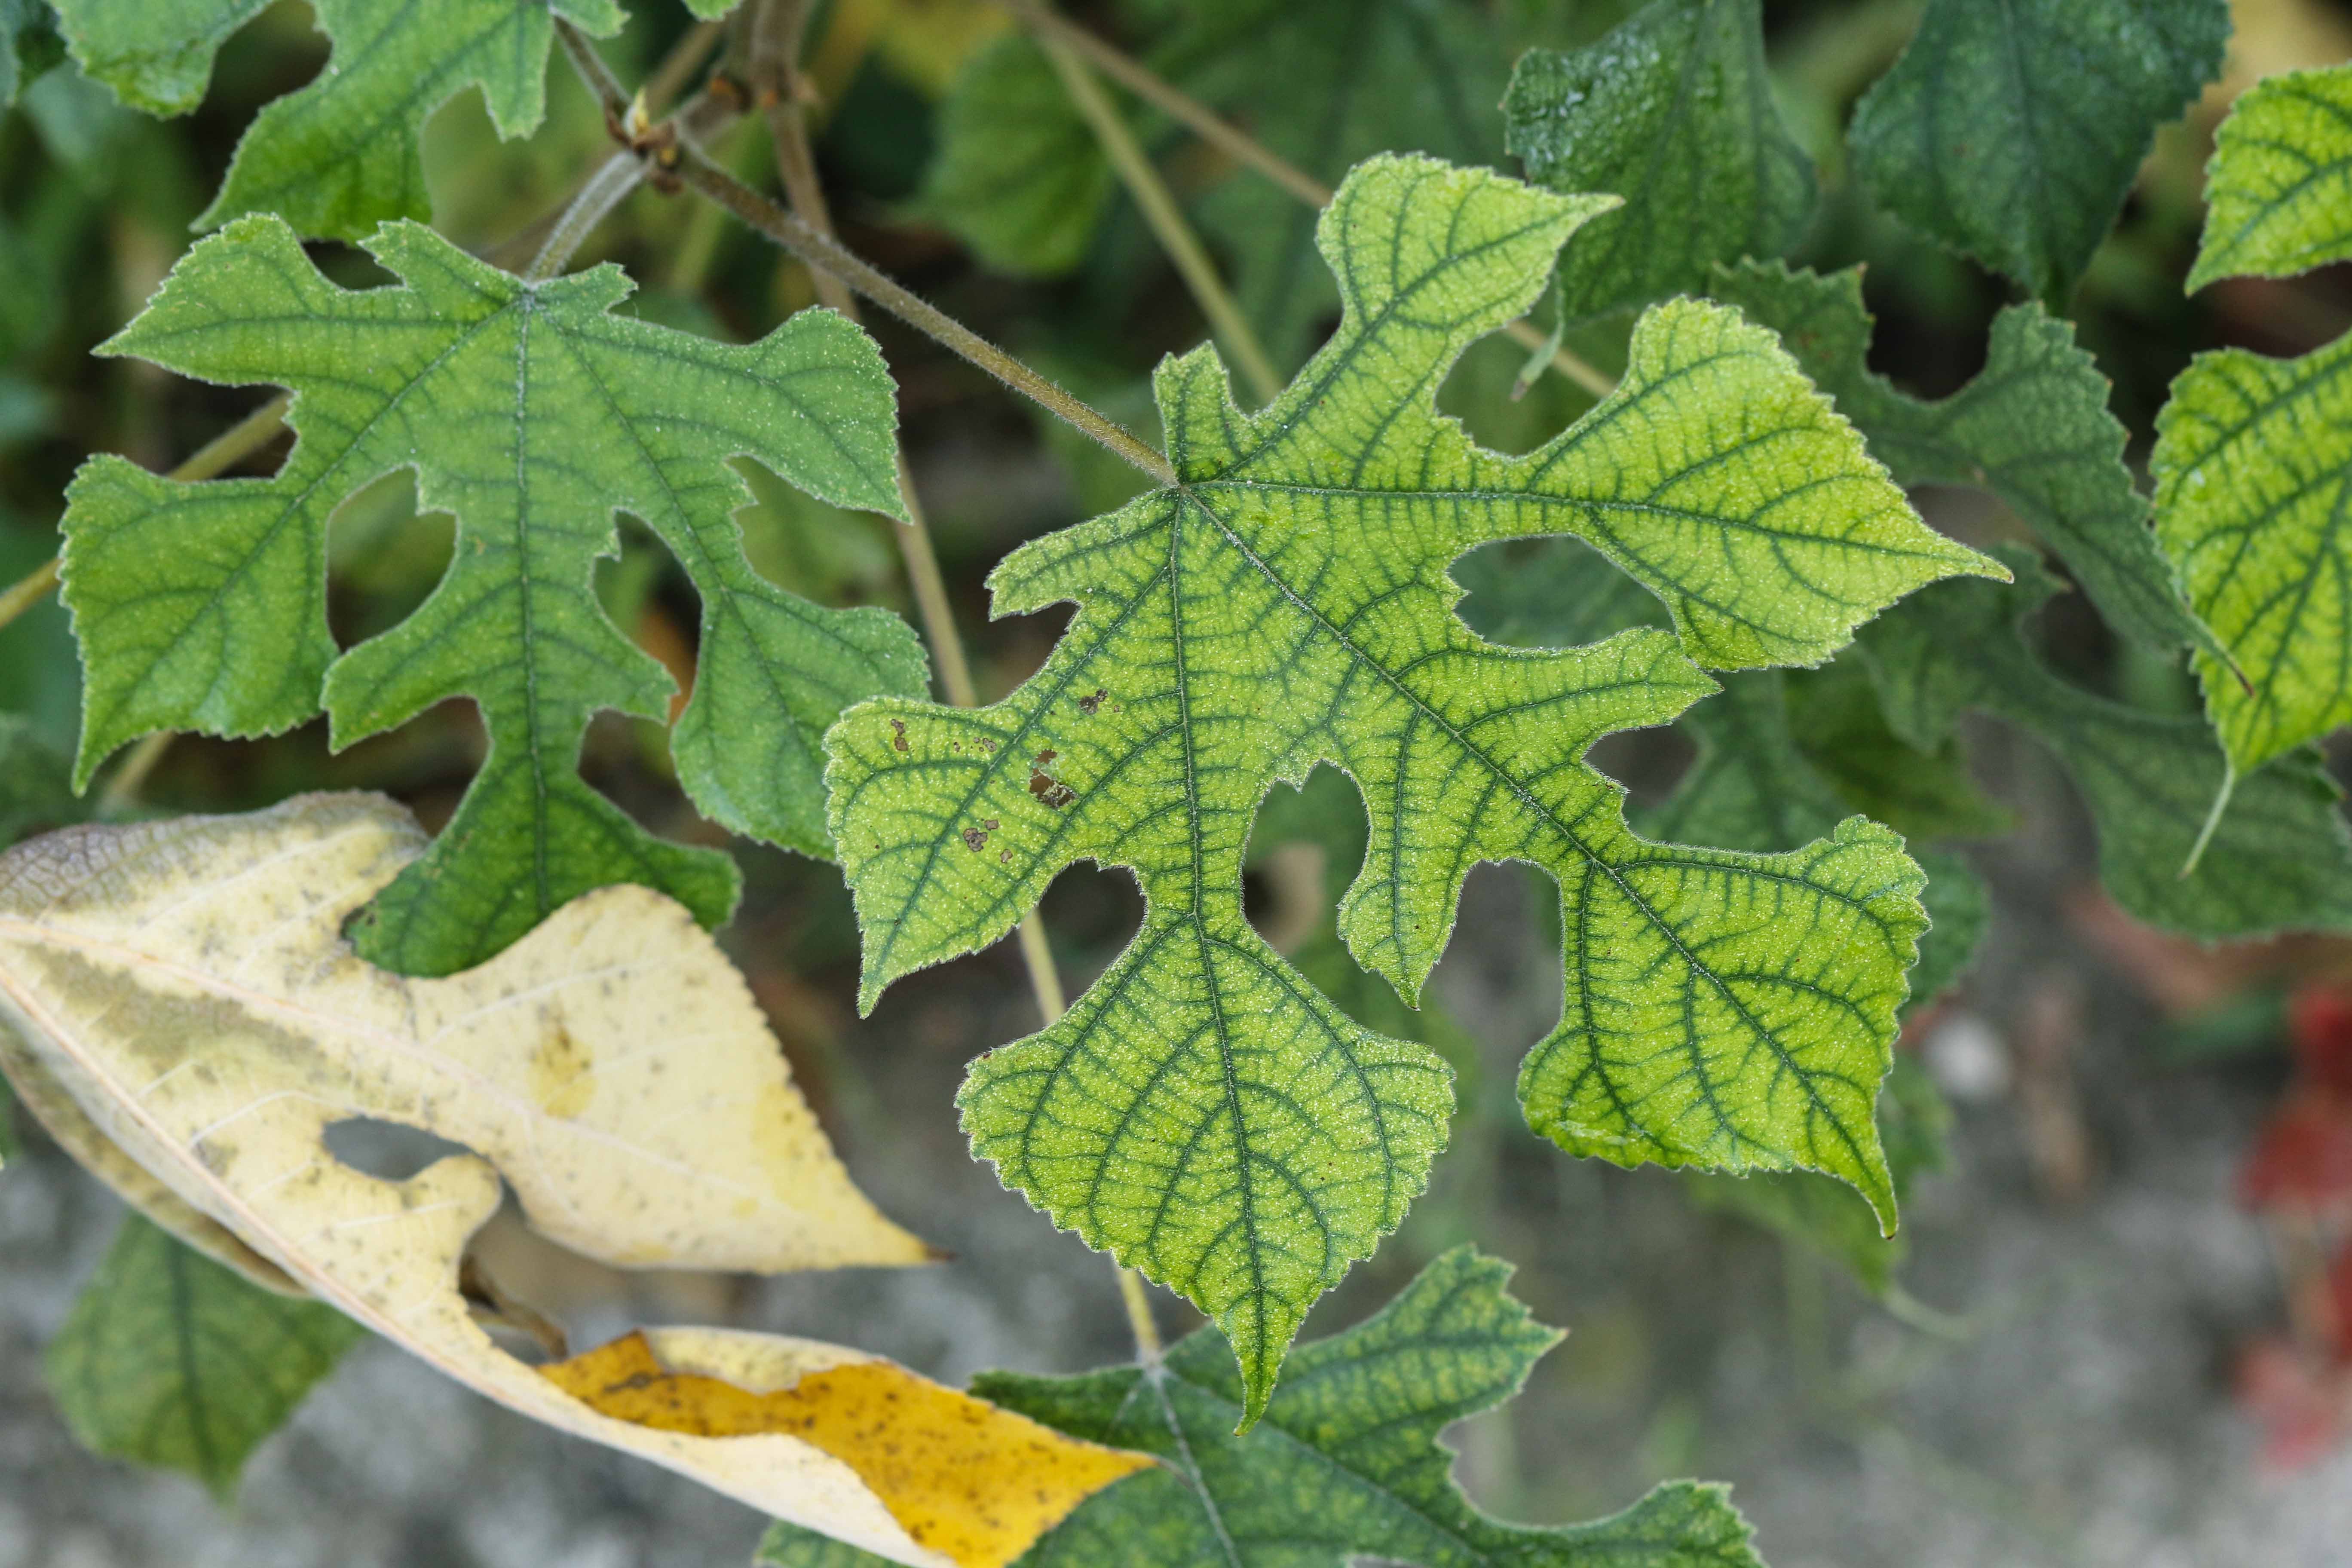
(1673, 112)
(2033, 428)
(1018, 177)
(2280, 860)
(531, 413)
(2254, 455)
(2254, 472)
(156, 55)
(169, 1359)
(2279, 189)
(1201, 1111)
(2010, 129)
(1347, 1467)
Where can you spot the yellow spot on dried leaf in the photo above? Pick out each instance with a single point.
(967, 1479)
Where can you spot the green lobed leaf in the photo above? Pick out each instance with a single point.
(169, 1359)
(2279, 189)
(1019, 178)
(1783, 754)
(1347, 1464)
(2032, 428)
(2010, 129)
(1200, 1112)
(531, 413)
(157, 55)
(2280, 860)
(1674, 111)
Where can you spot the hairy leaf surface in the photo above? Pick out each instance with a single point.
(2253, 455)
(169, 1359)
(1673, 112)
(2279, 189)
(2280, 860)
(1200, 1112)
(176, 1001)
(2010, 129)
(531, 413)
(1346, 1467)
(157, 55)
(2032, 428)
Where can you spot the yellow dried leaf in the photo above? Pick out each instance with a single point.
(964, 1477)
(179, 1007)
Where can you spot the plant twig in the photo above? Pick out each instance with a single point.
(694, 168)
(1141, 178)
(225, 450)
(29, 591)
(827, 254)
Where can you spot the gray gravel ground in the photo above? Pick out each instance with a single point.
(2081, 1417)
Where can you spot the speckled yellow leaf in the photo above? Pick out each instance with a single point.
(962, 1476)
(178, 1005)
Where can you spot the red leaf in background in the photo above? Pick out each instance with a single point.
(2320, 1019)
(2300, 1408)
(2302, 1159)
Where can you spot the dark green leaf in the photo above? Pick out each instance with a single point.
(2280, 860)
(156, 55)
(2010, 129)
(169, 1359)
(1345, 1468)
(1673, 112)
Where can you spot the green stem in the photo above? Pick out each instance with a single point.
(29, 591)
(605, 190)
(1141, 178)
(827, 254)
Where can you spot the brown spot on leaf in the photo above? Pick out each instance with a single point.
(974, 839)
(900, 740)
(1046, 787)
(1087, 705)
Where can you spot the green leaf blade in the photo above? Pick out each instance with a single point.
(340, 156)
(1762, 1045)
(156, 58)
(531, 413)
(1288, 603)
(2280, 184)
(1673, 110)
(169, 1359)
(2033, 428)
(2010, 130)
(2251, 460)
